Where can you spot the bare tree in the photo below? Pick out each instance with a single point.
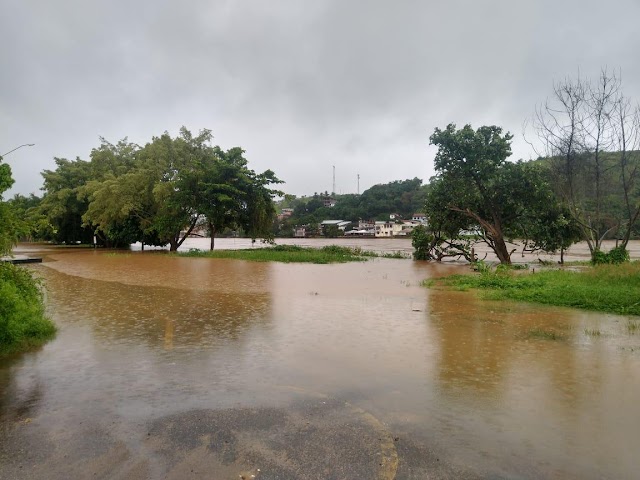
(599, 135)
(626, 121)
(589, 132)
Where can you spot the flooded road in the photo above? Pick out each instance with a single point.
(169, 367)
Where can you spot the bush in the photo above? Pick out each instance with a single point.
(23, 323)
(615, 256)
(421, 242)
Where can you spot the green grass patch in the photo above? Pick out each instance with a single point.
(23, 324)
(592, 332)
(290, 254)
(633, 326)
(605, 288)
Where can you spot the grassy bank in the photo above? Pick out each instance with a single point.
(293, 254)
(605, 288)
(23, 324)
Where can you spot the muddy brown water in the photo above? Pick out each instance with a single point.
(169, 367)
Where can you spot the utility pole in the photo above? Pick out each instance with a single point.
(358, 184)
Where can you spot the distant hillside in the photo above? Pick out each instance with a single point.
(404, 197)
(613, 209)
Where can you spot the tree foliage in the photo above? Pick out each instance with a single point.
(476, 191)
(9, 224)
(23, 323)
(157, 194)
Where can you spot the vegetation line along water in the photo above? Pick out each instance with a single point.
(295, 254)
(23, 323)
(605, 288)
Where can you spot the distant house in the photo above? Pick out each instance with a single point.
(328, 201)
(395, 229)
(419, 217)
(386, 229)
(340, 224)
(395, 216)
(407, 228)
(360, 233)
(300, 232)
(366, 224)
(285, 213)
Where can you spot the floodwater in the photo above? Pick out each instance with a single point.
(169, 367)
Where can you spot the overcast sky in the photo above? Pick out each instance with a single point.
(300, 85)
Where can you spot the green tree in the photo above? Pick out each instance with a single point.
(159, 193)
(445, 235)
(63, 205)
(147, 198)
(258, 212)
(475, 187)
(219, 186)
(22, 320)
(552, 230)
(27, 208)
(10, 225)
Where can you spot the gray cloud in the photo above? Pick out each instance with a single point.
(300, 85)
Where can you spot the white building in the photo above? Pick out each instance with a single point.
(393, 229)
(341, 224)
(419, 217)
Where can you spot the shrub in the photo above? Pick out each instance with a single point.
(615, 256)
(421, 242)
(23, 323)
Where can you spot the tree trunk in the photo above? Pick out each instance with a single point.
(500, 248)
(180, 240)
(212, 230)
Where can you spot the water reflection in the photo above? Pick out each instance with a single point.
(20, 396)
(523, 394)
(158, 315)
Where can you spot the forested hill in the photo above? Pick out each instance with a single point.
(404, 197)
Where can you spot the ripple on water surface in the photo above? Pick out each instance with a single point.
(146, 337)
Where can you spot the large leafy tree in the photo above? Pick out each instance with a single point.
(477, 189)
(159, 193)
(147, 199)
(258, 212)
(62, 203)
(10, 225)
(27, 208)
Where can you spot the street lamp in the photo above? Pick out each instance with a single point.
(20, 146)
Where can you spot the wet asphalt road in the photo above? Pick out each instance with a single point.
(312, 438)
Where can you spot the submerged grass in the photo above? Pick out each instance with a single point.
(545, 334)
(293, 254)
(605, 288)
(594, 332)
(23, 324)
